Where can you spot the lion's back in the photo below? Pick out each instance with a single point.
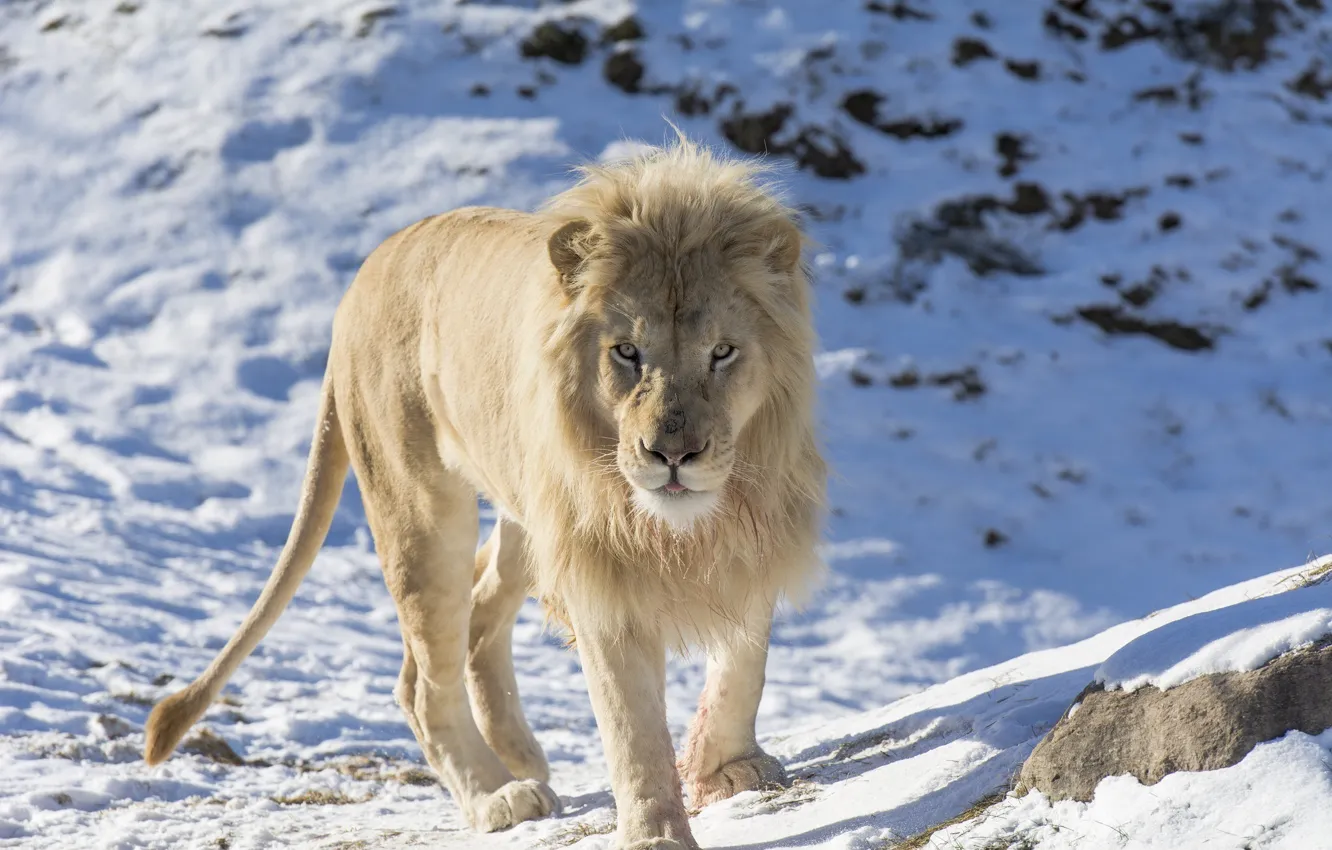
(434, 329)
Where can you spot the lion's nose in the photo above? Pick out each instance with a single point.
(673, 455)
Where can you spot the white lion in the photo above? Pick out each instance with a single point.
(627, 375)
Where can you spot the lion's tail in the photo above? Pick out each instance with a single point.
(324, 477)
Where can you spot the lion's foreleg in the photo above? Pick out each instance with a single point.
(722, 756)
(626, 677)
(498, 592)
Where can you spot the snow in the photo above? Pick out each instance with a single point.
(188, 188)
(1233, 639)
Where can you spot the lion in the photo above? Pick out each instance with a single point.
(627, 376)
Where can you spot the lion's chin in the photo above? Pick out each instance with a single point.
(681, 511)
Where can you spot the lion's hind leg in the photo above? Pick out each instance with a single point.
(498, 591)
(424, 523)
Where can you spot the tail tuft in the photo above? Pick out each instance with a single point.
(171, 719)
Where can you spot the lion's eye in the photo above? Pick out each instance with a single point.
(626, 353)
(723, 353)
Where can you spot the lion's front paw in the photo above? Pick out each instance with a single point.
(751, 773)
(515, 802)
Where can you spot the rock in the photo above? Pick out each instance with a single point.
(812, 147)
(110, 727)
(628, 29)
(210, 746)
(1204, 724)
(565, 45)
(624, 70)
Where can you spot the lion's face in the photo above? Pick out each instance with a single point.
(680, 373)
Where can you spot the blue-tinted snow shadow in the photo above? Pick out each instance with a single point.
(1011, 718)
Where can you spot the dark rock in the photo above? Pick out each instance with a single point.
(916, 128)
(1012, 149)
(1062, 28)
(753, 132)
(689, 101)
(966, 383)
(1029, 199)
(967, 50)
(234, 26)
(1208, 723)
(628, 29)
(624, 70)
(1112, 319)
(1126, 30)
(863, 106)
(551, 40)
(905, 380)
(1311, 83)
(898, 10)
(1023, 70)
(815, 148)
(368, 19)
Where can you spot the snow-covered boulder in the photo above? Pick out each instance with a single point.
(1198, 693)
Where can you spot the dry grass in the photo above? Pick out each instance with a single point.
(371, 769)
(576, 833)
(1316, 575)
(802, 791)
(133, 698)
(320, 797)
(922, 840)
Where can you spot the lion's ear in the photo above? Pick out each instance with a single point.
(569, 247)
(784, 242)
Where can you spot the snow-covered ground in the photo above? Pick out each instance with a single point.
(1077, 356)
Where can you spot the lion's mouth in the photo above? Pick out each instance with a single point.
(675, 488)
